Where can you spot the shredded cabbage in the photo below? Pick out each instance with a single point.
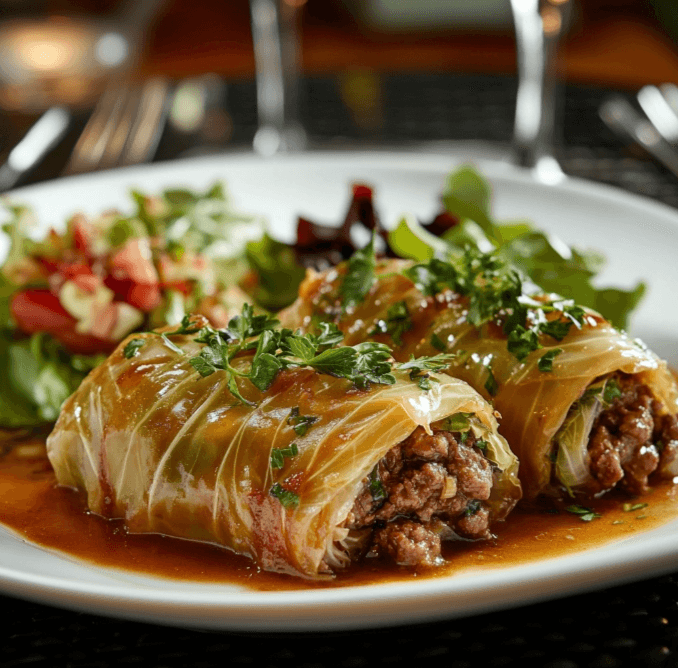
(571, 441)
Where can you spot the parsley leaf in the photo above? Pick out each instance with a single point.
(472, 508)
(585, 514)
(132, 347)
(521, 342)
(286, 497)
(300, 423)
(491, 384)
(612, 391)
(376, 487)
(397, 322)
(437, 342)
(458, 422)
(545, 363)
(278, 455)
(631, 507)
(359, 277)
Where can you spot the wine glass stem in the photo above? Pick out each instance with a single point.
(274, 32)
(533, 132)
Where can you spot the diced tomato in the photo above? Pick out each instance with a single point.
(83, 233)
(135, 261)
(51, 266)
(145, 297)
(38, 310)
(73, 270)
(185, 287)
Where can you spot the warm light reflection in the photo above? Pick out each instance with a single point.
(48, 48)
(551, 20)
(46, 55)
(57, 61)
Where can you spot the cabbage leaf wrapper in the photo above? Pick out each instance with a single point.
(533, 402)
(151, 441)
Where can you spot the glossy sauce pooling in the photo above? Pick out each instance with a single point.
(54, 517)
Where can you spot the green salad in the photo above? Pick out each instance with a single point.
(68, 299)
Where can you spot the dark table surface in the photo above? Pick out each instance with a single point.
(635, 624)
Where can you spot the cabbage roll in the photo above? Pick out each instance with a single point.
(304, 477)
(584, 407)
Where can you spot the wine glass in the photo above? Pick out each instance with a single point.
(539, 25)
(276, 56)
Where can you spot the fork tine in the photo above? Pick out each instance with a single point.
(144, 137)
(124, 128)
(654, 103)
(124, 123)
(92, 142)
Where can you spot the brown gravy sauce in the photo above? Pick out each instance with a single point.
(54, 518)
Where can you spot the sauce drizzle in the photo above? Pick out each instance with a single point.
(53, 517)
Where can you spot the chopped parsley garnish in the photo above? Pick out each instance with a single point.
(585, 514)
(611, 391)
(437, 342)
(376, 487)
(132, 347)
(278, 455)
(397, 322)
(359, 277)
(491, 384)
(277, 348)
(419, 368)
(472, 508)
(300, 423)
(631, 507)
(521, 342)
(495, 292)
(458, 422)
(481, 444)
(286, 497)
(187, 326)
(546, 360)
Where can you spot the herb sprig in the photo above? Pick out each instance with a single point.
(359, 277)
(277, 348)
(496, 292)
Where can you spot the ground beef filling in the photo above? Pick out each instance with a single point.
(429, 488)
(631, 439)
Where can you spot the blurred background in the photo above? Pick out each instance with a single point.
(353, 73)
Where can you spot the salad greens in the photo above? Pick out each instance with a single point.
(197, 248)
(209, 255)
(548, 262)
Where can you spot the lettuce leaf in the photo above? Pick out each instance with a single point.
(546, 260)
(40, 376)
(277, 270)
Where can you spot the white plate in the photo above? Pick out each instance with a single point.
(639, 237)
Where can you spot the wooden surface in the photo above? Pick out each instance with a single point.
(618, 44)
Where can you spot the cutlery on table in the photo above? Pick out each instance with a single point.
(623, 119)
(43, 136)
(124, 128)
(660, 105)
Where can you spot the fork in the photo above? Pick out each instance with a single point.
(651, 131)
(124, 128)
(660, 105)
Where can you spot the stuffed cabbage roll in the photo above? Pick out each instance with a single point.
(584, 407)
(303, 476)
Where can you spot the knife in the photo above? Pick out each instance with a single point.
(36, 143)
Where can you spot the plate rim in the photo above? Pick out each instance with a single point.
(659, 553)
